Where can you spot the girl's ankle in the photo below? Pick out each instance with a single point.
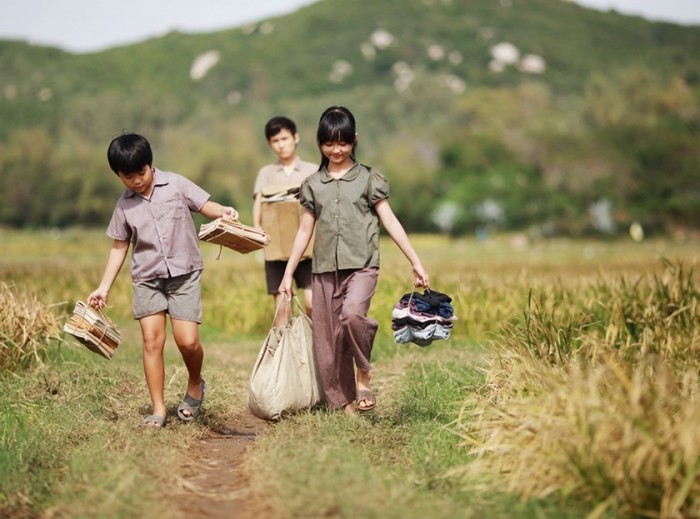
(349, 410)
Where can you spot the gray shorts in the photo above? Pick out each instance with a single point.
(181, 297)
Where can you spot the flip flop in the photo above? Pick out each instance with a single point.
(366, 395)
(190, 404)
(154, 420)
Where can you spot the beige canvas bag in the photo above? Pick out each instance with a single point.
(284, 377)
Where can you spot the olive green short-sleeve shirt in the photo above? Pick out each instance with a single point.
(347, 227)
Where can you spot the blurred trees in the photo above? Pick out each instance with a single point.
(522, 158)
(517, 158)
(606, 135)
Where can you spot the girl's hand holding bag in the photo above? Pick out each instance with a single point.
(284, 377)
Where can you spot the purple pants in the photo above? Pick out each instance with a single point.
(342, 330)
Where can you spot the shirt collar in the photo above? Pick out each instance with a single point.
(349, 176)
(159, 179)
(295, 164)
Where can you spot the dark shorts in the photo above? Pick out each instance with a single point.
(274, 272)
(180, 296)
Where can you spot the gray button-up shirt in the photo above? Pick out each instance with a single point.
(160, 228)
(347, 228)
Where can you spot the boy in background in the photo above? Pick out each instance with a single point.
(277, 211)
(153, 216)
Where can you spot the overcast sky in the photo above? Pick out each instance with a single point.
(91, 25)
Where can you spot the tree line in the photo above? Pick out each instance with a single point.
(512, 157)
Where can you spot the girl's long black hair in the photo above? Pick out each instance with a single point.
(336, 124)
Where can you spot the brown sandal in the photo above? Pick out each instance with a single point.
(367, 396)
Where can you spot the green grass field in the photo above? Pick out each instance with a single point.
(568, 389)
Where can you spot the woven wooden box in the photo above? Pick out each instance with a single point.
(280, 220)
(232, 234)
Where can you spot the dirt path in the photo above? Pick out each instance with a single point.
(211, 483)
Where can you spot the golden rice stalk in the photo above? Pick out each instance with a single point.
(26, 328)
(622, 439)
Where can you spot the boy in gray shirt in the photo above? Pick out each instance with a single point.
(153, 216)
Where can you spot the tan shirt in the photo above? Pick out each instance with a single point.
(277, 196)
(273, 175)
(160, 228)
(347, 228)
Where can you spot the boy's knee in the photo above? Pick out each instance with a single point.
(188, 344)
(153, 343)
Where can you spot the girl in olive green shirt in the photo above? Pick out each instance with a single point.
(344, 202)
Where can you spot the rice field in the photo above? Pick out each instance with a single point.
(569, 386)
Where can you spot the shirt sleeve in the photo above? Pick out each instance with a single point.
(378, 187)
(258, 183)
(195, 196)
(306, 196)
(118, 228)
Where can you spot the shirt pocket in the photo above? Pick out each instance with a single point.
(173, 209)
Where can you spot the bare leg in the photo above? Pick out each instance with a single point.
(307, 300)
(186, 334)
(153, 333)
(363, 382)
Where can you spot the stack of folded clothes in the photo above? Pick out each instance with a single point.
(422, 318)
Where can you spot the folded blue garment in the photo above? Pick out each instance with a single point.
(421, 336)
(412, 318)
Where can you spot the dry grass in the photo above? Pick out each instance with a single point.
(595, 396)
(591, 394)
(630, 444)
(26, 328)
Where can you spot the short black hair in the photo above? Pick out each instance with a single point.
(277, 124)
(129, 153)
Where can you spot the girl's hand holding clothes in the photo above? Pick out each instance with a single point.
(420, 276)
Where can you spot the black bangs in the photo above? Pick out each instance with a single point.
(336, 124)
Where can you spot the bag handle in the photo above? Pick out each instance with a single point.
(283, 300)
(300, 309)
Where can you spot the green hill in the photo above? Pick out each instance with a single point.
(460, 103)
